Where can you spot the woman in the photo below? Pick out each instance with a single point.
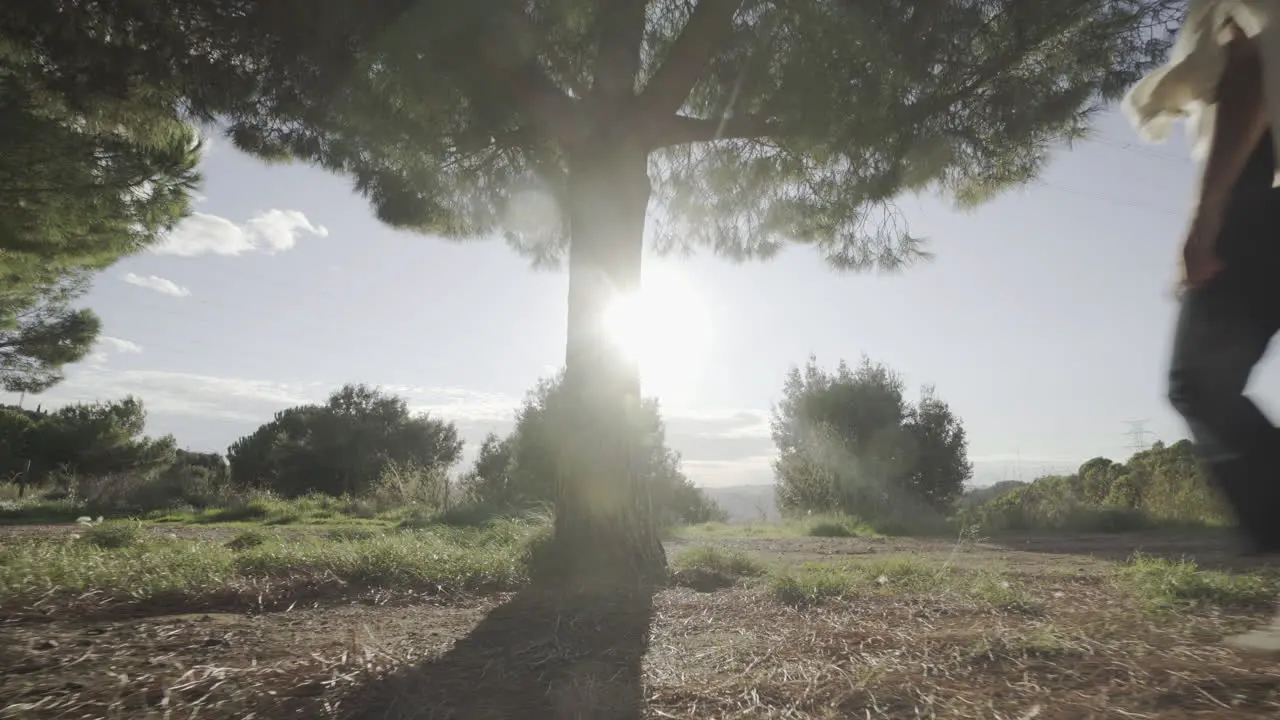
(1230, 299)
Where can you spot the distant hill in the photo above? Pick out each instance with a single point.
(746, 503)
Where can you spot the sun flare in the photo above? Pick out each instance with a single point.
(663, 327)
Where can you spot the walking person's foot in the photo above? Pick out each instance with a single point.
(1264, 640)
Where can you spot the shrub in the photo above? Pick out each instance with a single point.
(409, 485)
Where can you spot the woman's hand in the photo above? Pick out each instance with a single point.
(1200, 262)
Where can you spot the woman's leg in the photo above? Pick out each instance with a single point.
(1221, 335)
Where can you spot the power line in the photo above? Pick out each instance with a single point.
(1138, 149)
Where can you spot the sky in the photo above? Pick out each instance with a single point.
(1044, 318)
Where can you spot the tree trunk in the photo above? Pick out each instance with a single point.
(605, 531)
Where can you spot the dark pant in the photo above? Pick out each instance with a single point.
(1222, 332)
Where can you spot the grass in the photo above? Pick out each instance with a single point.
(250, 509)
(1168, 585)
(39, 512)
(815, 583)
(112, 535)
(712, 559)
(832, 525)
(268, 510)
(998, 634)
(247, 540)
(112, 563)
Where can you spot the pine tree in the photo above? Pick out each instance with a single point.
(747, 123)
(90, 172)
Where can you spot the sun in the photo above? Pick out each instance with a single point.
(664, 328)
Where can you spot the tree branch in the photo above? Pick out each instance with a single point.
(500, 61)
(619, 35)
(681, 130)
(702, 37)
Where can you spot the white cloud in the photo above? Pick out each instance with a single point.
(272, 232)
(458, 404)
(718, 448)
(120, 345)
(107, 345)
(159, 284)
(249, 400)
(278, 229)
(178, 393)
(726, 424)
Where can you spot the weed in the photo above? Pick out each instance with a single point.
(815, 583)
(112, 535)
(1004, 594)
(193, 573)
(712, 559)
(1164, 585)
(247, 540)
(350, 534)
(832, 529)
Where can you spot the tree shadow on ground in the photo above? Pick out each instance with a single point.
(1210, 549)
(539, 656)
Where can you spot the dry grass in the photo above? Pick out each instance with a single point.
(899, 637)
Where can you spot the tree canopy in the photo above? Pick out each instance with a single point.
(90, 171)
(765, 121)
(1164, 483)
(849, 441)
(40, 332)
(343, 446)
(90, 440)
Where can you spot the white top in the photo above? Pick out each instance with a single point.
(1184, 86)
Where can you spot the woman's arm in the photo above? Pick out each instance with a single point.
(1239, 125)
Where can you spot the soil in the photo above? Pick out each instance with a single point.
(1084, 651)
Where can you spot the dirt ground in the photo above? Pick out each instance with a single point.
(1082, 652)
(1032, 553)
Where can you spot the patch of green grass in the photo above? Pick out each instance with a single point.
(1167, 585)
(815, 583)
(1043, 642)
(714, 530)
(196, 573)
(265, 509)
(247, 540)
(471, 517)
(350, 534)
(1005, 594)
(112, 535)
(837, 526)
(709, 558)
(833, 525)
(40, 512)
